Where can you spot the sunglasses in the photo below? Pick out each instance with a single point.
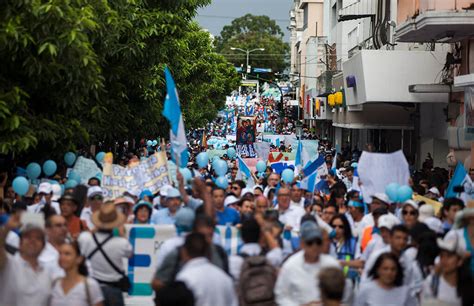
(411, 213)
(235, 188)
(97, 197)
(313, 242)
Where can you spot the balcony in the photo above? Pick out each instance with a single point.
(357, 10)
(443, 21)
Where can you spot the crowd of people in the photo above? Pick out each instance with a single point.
(298, 247)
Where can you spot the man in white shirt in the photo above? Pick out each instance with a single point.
(379, 200)
(95, 198)
(209, 284)
(24, 280)
(45, 191)
(56, 231)
(297, 282)
(296, 196)
(290, 215)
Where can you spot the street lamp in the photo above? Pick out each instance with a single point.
(247, 51)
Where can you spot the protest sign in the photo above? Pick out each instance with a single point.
(86, 168)
(151, 174)
(262, 149)
(146, 241)
(377, 170)
(276, 157)
(246, 127)
(246, 150)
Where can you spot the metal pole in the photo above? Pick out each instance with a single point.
(248, 54)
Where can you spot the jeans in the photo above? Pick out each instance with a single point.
(113, 296)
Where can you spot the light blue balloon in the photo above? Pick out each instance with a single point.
(215, 158)
(74, 176)
(287, 175)
(354, 165)
(261, 166)
(222, 182)
(20, 185)
(49, 167)
(154, 143)
(231, 153)
(391, 190)
(99, 157)
(220, 167)
(69, 158)
(404, 193)
(70, 184)
(149, 143)
(33, 170)
(202, 159)
(186, 173)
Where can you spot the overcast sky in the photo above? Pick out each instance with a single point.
(221, 12)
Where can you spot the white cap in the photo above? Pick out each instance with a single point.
(230, 200)
(388, 221)
(173, 193)
(451, 245)
(426, 211)
(56, 192)
(434, 224)
(434, 191)
(164, 190)
(94, 190)
(45, 188)
(382, 197)
(246, 190)
(411, 203)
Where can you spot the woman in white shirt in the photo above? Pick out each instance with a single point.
(75, 288)
(386, 287)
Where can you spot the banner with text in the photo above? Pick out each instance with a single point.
(151, 174)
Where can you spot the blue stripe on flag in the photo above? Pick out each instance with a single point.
(457, 180)
(299, 153)
(308, 170)
(244, 168)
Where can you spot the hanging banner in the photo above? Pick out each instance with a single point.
(246, 130)
(151, 174)
(146, 241)
(246, 151)
(262, 149)
(86, 168)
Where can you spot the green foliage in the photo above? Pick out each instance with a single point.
(75, 72)
(250, 32)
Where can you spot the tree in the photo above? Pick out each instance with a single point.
(250, 32)
(81, 71)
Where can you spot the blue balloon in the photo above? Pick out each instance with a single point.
(231, 153)
(70, 184)
(74, 176)
(33, 170)
(220, 167)
(49, 167)
(69, 158)
(149, 143)
(20, 185)
(287, 175)
(404, 193)
(202, 159)
(99, 157)
(186, 173)
(154, 143)
(261, 166)
(391, 190)
(215, 158)
(222, 182)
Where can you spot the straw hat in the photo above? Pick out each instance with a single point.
(108, 217)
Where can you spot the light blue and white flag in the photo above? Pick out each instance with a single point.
(245, 170)
(460, 178)
(172, 112)
(315, 180)
(299, 158)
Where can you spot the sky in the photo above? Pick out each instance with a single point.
(221, 12)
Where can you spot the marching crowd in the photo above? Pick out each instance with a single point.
(298, 247)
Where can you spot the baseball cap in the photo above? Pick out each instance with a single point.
(450, 244)
(355, 204)
(164, 190)
(173, 193)
(388, 221)
(382, 197)
(309, 230)
(185, 218)
(246, 190)
(411, 203)
(434, 191)
(426, 211)
(56, 192)
(93, 191)
(45, 187)
(230, 200)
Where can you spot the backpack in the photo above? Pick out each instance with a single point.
(256, 283)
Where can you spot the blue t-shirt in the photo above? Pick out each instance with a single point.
(229, 215)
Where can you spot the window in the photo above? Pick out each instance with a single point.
(305, 17)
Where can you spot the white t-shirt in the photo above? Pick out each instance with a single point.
(446, 292)
(36, 208)
(77, 296)
(49, 259)
(371, 294)
(21, 285)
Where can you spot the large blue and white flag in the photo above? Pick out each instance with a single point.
(311, 168)
(316, 180)
(460, 179)
(172, 112)
(245, 170)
